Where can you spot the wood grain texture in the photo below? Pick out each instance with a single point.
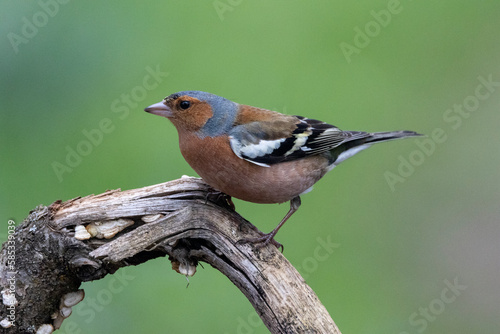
(172, 219)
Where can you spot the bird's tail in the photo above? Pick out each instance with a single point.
(359, 141)
(378, 137)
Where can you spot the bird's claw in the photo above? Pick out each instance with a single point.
(262, 241)
(220, 198)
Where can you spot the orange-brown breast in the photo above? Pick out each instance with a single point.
(215, 162)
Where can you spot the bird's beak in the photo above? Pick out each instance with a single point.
(160, 109)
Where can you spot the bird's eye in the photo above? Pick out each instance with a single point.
(185, 104)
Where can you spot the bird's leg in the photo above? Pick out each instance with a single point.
(269, 237)
(220, 198)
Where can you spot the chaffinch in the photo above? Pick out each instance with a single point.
(258, 155)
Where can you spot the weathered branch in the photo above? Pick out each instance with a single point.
(120, 228)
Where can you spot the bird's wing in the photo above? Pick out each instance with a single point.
(268, 142)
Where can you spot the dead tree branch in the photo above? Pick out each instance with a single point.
(56, 248)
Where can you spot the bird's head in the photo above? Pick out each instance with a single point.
(201, 112)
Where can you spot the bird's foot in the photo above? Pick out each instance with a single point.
(263, 240)
(220, 198)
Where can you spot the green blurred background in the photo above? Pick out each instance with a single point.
(367, 65)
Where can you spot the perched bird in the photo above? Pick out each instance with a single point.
(258, 155)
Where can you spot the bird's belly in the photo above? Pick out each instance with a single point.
(216, 163)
